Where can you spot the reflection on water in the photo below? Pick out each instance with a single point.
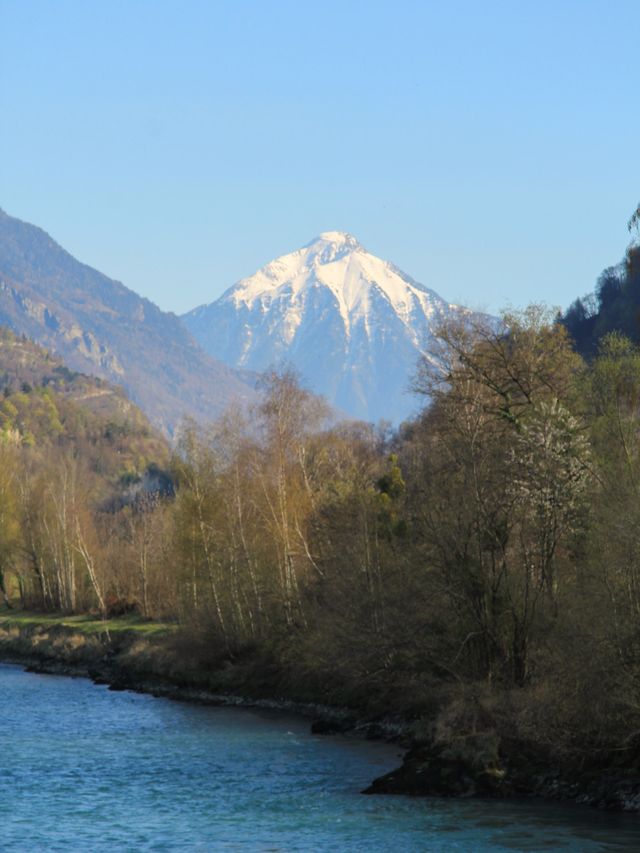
(87, 769)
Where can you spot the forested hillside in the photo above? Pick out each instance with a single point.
(479, 571)
(614, 307)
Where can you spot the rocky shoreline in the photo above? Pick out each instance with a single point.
(126, 661)
(429, 770)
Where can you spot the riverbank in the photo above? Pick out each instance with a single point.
(128, 653)
(150, 657)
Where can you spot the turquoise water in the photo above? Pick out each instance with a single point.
(87, 769)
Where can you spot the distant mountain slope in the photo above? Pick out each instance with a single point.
(354, 325)
(99, 326)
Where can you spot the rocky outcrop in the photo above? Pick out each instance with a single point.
(471, 769)
(85, 343)
(484, 767)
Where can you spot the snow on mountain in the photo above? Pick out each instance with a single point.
(352, 324)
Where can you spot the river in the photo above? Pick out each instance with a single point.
(88, 769)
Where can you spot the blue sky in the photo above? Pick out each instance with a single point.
(490, 149)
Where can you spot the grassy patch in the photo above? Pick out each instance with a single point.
(87, 624)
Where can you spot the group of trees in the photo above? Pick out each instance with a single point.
(485, 557)
(72, 449)
(62, 545)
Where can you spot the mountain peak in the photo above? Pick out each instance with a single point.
(352, 323)
(336, 237)
(337, 240)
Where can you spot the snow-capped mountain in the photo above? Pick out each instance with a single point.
(352, 324)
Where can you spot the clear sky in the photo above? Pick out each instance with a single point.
(490, 149)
